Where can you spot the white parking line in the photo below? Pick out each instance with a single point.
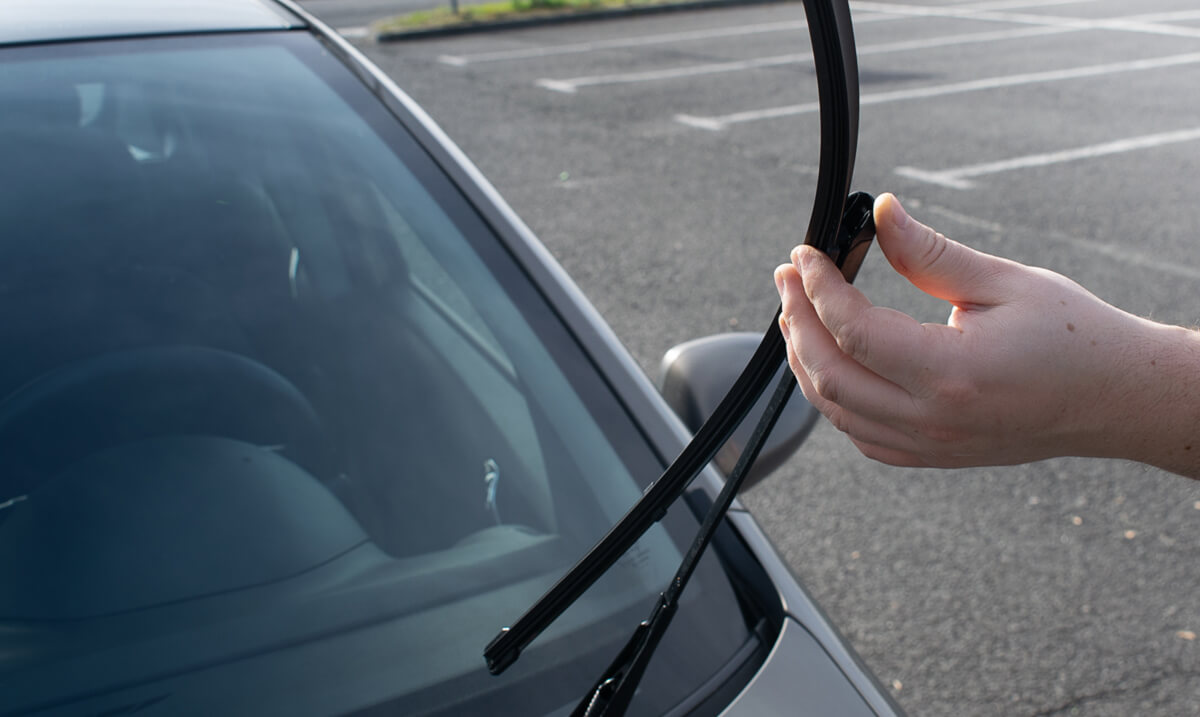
(1150, 24)
(572, 84)
(720, 122)
(619, 43)
(1004, 4)
(959, 177)
(712, 33)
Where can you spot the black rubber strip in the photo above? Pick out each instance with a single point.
(837, 80)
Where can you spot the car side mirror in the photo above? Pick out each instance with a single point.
(694, 377)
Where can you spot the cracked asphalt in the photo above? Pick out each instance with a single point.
(1067, 587)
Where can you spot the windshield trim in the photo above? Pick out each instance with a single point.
(28, 22)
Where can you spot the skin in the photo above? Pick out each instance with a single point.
(1029, 365)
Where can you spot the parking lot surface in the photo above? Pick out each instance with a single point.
(669, 163)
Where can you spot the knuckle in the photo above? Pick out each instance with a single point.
(840, 419)
(946, 414)
(954, 396)
(853, 338)
(825, 383)
(941, 434)
(934, 246)
(945, 396)
(799, 371)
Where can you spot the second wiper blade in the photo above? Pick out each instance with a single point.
(615, 688)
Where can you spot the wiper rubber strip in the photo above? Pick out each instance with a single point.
(843, 230)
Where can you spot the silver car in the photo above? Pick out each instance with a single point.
(297, 414)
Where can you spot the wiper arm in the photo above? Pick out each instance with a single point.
(840, 226)
(650, 508)
(613, 691)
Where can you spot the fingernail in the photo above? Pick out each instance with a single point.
(780, 284)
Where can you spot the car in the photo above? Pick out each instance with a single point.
(298, 414)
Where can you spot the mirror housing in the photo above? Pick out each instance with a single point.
(695, 375)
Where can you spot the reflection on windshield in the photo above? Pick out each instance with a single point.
(280, 417)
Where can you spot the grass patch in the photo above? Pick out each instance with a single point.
(498, 11)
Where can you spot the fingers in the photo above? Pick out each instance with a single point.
(876, 440)
(913, 394)
(934, 264)
(887, 342)
(827, 375)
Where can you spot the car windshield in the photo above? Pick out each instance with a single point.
(285, 426)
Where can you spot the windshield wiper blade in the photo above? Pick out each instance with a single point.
(839, 227)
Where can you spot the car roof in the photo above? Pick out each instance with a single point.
(35, 21)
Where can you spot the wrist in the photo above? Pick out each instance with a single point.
(1159, 419)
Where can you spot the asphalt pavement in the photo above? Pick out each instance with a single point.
(669, 163)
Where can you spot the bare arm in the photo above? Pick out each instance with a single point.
(1029, 365)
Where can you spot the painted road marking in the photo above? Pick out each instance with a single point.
(572, 84)
(619, 43)
(959, 177)
(1151, 24)
(713, 33)
(720, 122)
(988, 5)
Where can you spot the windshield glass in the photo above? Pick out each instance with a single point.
(285, 427)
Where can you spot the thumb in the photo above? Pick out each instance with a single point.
(934, 264)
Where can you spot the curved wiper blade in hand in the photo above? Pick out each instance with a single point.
(843, 239)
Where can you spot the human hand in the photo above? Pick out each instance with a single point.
(1029, 364)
